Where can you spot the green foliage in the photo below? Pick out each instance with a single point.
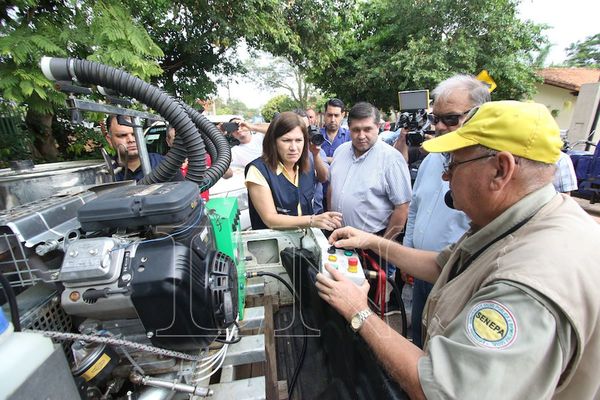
(15, 142)
(100, 31)
(75, 142)
(414, 44)
(278, 104)
(234, 106)
(585, 53)
(314, 32)
(199, 38)
(278, 73)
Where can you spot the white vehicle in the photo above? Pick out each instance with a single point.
(234, 187)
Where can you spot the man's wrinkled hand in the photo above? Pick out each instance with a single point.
(341, 293)
(352, 238)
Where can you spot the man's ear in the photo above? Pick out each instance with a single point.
(108, 138)
(505, 165)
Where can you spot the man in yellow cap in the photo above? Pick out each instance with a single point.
(515, 308)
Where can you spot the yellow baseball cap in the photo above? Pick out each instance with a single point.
(523, 129)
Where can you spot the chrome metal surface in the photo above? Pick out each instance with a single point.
(44, 180)
(45, 220)
(85, 105)
(142, 149)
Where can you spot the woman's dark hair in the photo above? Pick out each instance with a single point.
(282, 124)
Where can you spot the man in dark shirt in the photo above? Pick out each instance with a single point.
(121, 138)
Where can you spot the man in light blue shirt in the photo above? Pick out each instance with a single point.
(431, 224)
(370, 182)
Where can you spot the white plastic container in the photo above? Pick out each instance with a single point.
(21, 354)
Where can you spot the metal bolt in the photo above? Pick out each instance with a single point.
(149, 335)
(54, 276)
(93, 252)
(144, 259)
(73, 253)
(126, 277)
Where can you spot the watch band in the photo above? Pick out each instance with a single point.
(359, 319)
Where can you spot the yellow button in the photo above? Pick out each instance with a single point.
(332, 257)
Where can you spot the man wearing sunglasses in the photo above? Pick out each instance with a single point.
(515, 310)
(431, 224)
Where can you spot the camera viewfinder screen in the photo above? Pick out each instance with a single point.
(413, 100)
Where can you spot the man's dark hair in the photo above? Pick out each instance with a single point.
(334, 103)
(110, 119)
(363, 110)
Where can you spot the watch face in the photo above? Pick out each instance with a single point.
(355, 323)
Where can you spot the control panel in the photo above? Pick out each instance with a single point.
(344, 260)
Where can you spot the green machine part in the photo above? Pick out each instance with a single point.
(224, 215)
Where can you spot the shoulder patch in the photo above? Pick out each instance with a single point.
(491, 324)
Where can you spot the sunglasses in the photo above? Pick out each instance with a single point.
(448, 119)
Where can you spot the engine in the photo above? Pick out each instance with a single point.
(128, 277)
(165, 272)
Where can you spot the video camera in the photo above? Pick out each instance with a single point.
(314, 136)
(413, 115)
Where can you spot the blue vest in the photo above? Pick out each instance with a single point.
(285, 194)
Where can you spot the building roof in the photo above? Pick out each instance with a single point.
(569, 78)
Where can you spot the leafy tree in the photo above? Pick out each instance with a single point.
(408, 45)
(199, 38)
(316, 34)
(100, 31)
(234, 106)
(278, 73)
(585, 53)
(278, 104)
(198, 41)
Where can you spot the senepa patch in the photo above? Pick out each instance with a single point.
(491, 324)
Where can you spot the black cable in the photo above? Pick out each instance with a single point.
(12, 302)
(305, 341)
(398, 293)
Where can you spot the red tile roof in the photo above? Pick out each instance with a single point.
(569, 78)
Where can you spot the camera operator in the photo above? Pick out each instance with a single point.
(414, 130)
(312, 117)
(250, 139)
(431, 224)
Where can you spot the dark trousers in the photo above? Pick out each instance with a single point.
(421, 290)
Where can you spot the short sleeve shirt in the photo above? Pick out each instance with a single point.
(366, 189)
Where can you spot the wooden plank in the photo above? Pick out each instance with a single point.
(271, 362)
(283, 390)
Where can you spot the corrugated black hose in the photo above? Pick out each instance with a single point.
(90, 72)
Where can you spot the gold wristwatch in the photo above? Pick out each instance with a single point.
(359, 318)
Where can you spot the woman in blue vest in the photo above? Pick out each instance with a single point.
(281, 182)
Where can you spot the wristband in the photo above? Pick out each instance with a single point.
(310, 223)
